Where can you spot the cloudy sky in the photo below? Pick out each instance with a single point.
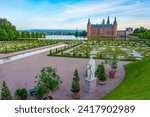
(70, 14)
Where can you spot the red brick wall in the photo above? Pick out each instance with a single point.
(121, 33)
(102, 31)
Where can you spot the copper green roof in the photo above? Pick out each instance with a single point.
(102, 25)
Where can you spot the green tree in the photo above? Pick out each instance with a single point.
(23, 35)
(37, 35)
(7, 26)
(28, 35)
(21, 94)
(40, 35)
(142, 29)
(11, 35)
(137, 30)
(148, 35)
(5, 92)
(17, 35)
(142, 33)
(3, 34)
(76, 34)
(84, 33)
(44, 35)
(33, 35)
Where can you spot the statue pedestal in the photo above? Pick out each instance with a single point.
(90, 85)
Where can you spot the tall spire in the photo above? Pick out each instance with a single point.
(115, 20)
(89, 22)
(108, 21)
(103, 22)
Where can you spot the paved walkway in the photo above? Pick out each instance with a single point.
(21, 73)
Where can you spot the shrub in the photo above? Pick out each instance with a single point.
(50, 53)
(101, 72)
(49, 80)
(41, 90)
(21, 94)
(113, 62)
(75, 82)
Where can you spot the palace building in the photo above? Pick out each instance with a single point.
(103, 29)
(125, 33)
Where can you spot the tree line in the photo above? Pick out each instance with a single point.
(8, 32)
(142, 33)
(31, 35)
(80, 34)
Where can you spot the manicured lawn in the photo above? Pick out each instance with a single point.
(136, 85)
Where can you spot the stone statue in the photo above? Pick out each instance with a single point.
(91, 69)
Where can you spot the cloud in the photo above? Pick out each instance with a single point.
(89, 9)
(72, 14)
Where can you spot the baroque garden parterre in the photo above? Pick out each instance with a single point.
(125, 50)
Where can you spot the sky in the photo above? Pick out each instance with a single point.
(73, 14)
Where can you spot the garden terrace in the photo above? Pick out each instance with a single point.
(21, 74)
(19, 45)
(124, 50)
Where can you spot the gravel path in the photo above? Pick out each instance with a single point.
(21, 73)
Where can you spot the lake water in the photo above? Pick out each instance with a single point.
(64, 37)
(71, 37)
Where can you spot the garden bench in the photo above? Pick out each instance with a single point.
(32, 90)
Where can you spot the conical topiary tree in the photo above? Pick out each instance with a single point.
(5, 92)
(101, 72)
(75, 82)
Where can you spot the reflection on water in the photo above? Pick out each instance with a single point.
(64, 37)
(72, 37)
(16, 57)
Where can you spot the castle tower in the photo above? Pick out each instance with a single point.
(89, 26)
(115, 25)
(108, 21)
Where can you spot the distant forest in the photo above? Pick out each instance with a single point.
(77, 33)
